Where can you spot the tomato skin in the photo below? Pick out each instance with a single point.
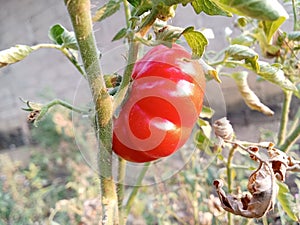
(163, 104)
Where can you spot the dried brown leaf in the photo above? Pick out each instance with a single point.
(223, 129)
(279, 161)
(263, 191)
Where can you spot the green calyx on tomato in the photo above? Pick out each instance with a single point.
(162, 107)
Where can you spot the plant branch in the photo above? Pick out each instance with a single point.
(79, 11)
(120, 189)
(65, 51)
(295, 14)
(136, 188)
(124, 84)
(37, 106)
(284, 117)
(229, 178)
(290, 140)
(132, 57)
(127, 12)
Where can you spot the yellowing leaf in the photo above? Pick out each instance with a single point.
(248, 95)
(270, 27)
(274, 74)
(209, 71)
(196, 40)
(14, 54)
(209, 7)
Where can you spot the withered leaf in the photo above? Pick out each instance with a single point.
(263, 191)
(248, 95)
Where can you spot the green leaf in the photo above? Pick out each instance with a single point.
(121, 33)
(248, 95)
(242, 21)
(106, 10)
(61, 36)
(168, 34)
(202, 141)
(286, 200)
(209, 7)
(241, 52)
(274, 74)
(14, 54)
(55, 33)
(210, 72)
(196, 40)
(270, 27)
(294, 36)
(135, 3)
(258, 9)
(243, 40)
(207, 112)
(267, 48)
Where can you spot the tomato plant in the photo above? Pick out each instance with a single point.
(162, 106)
(152, 112)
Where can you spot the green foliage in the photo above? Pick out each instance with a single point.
(121, 34)
(108, 9)
(196, 40)
(209, 7)
(61, 36)
(188, 198)
(54, 186)
(241, 52)
(274, 74)
(294, 36)
(287, 200)
(259, 9)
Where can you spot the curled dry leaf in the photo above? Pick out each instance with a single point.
(223, 129)
(263, 191)
(33, 115)
(279, 161)
(262, 187)
(293, 165)
(249, 96)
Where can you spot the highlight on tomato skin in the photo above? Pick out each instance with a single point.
(162, 106)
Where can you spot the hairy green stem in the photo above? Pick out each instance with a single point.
(284, 117)
(65, 51)
(136, 188)
(79, 11)
(120, 189)
(132, 57)
(290, 140)
(265, 220)
(295, 15)
(295, 122)
(229, 178)
(125, 82)
(127, 12)
(64, 104)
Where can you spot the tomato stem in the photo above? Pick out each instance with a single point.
(291, 139)
(120, 189)
(79, 12)
(136, 188)
(229, 178)
(284, 117)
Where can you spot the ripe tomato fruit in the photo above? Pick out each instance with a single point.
(162, 106)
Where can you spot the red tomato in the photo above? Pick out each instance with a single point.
(162, 107)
